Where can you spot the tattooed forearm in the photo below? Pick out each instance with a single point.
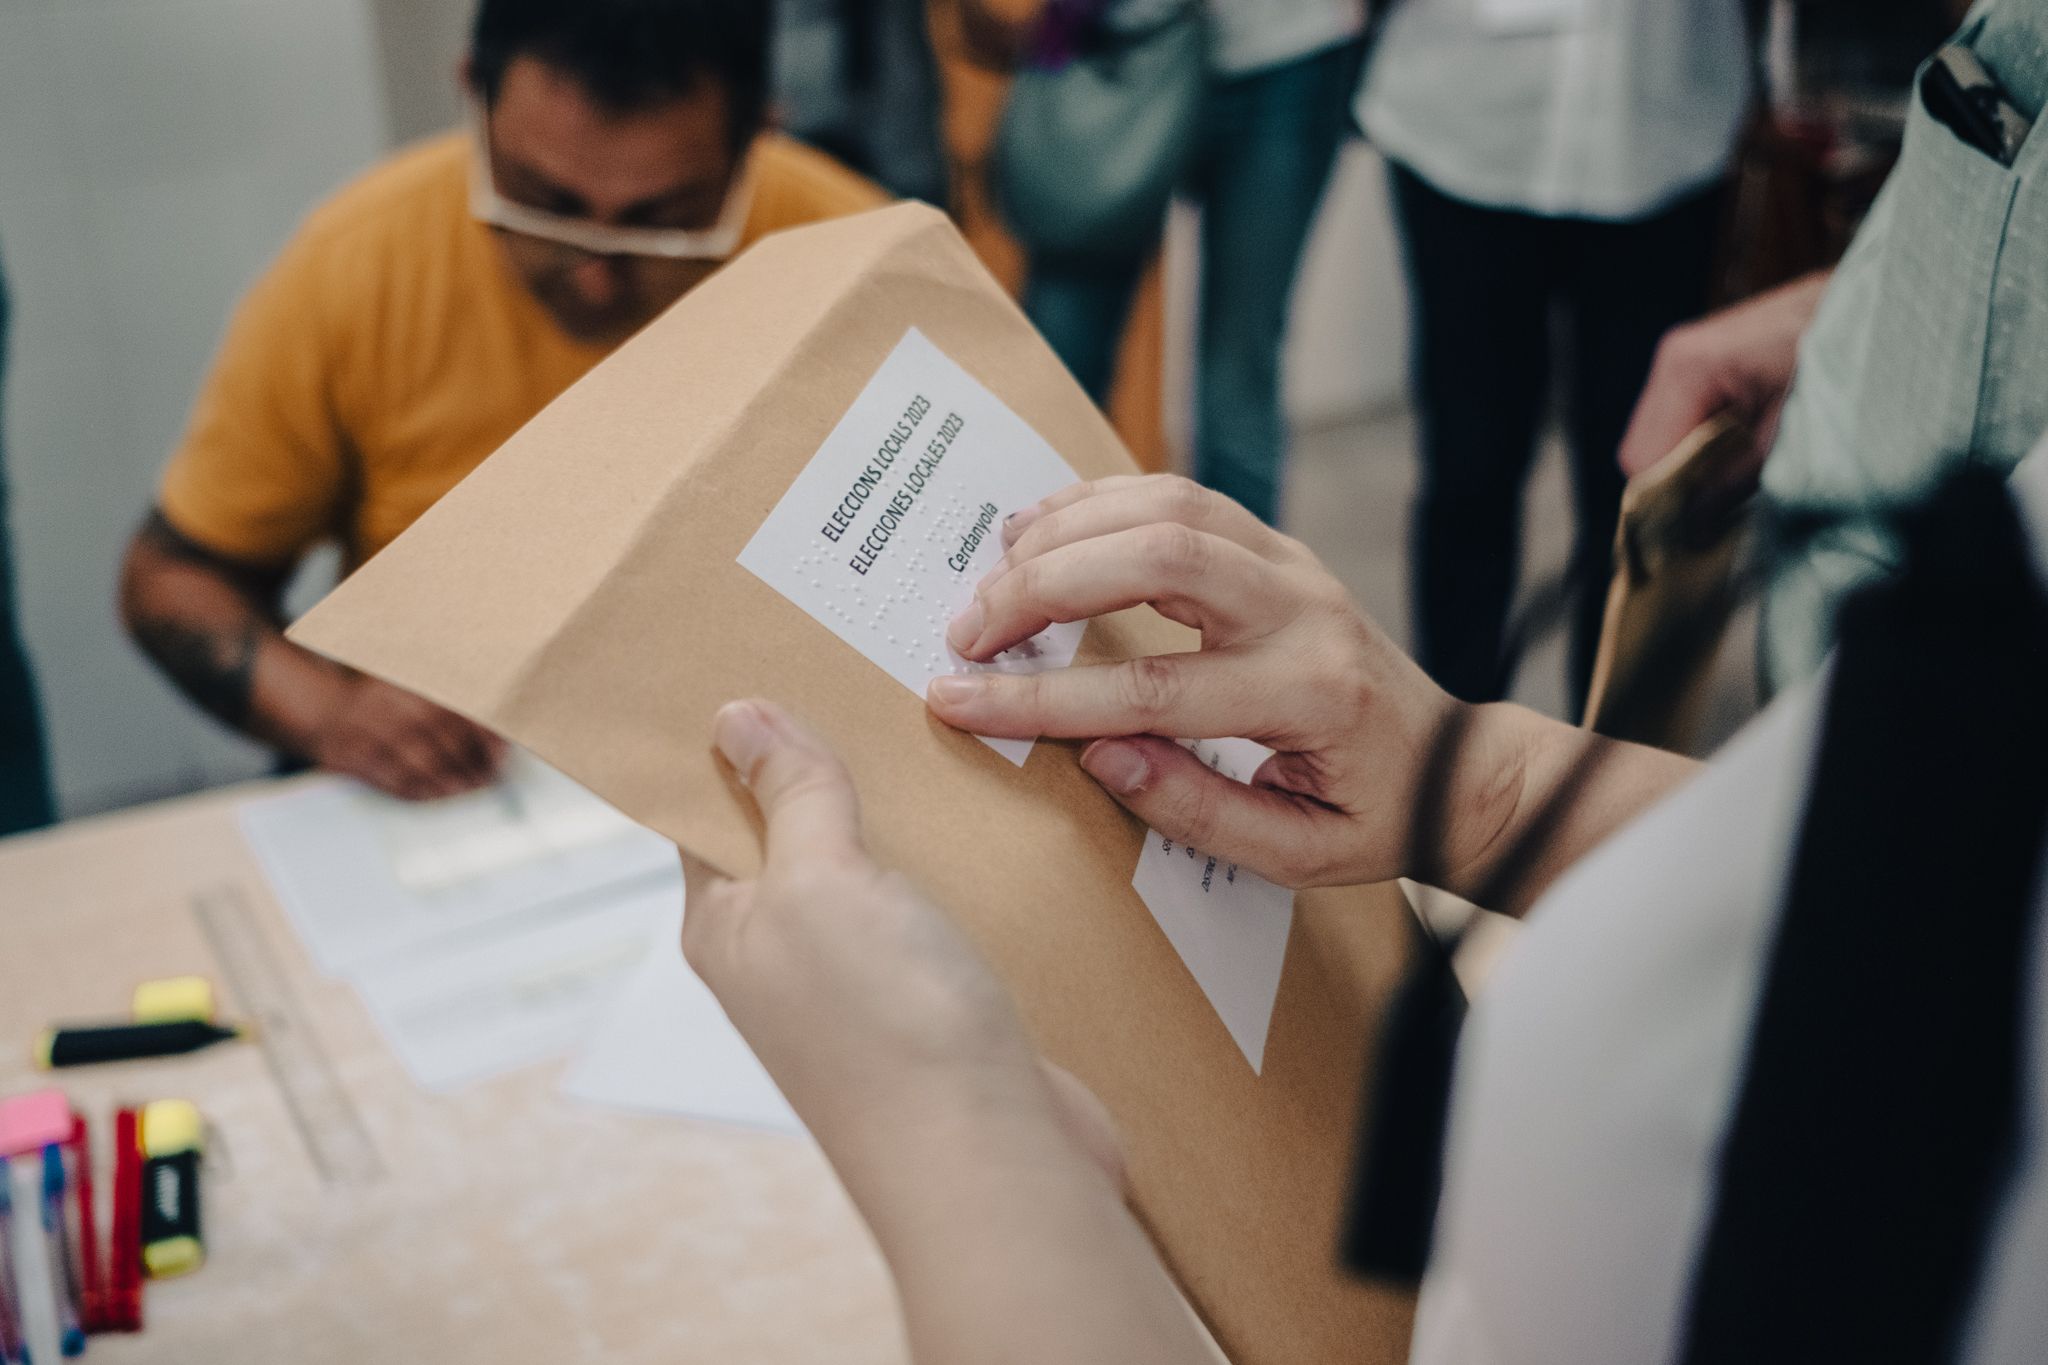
(203, 617)
(214, 667)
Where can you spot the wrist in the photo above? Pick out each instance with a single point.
(293, 696)
(1487, 795)
(919, 1157)
(1543, 795)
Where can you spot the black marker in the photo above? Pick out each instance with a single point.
(82, 1045)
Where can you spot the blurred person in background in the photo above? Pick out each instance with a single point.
(618, 153)
(857, 79)
(25, 800)
(1919, 354)
(1274, 115)
(1557, 170)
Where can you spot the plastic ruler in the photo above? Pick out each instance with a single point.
(327, 1119)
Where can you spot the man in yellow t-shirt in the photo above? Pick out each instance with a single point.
(426, 312)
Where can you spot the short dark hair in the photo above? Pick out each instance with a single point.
(630, 54)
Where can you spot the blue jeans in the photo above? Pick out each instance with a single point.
(1266, 146)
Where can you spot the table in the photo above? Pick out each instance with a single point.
(508, 1224)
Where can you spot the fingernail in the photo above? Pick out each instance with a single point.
(966, 627)
(742, 735)
(1120, 767)
(953, 690)
(1017, 523)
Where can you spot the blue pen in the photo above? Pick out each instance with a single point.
(13, 1345)
(57, 1233)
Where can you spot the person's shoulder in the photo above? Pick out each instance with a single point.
(382, 251)
(396, 196)
(388, 235)
(796, 184)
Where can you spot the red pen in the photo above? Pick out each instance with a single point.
(124, 1276)
(91, 1279)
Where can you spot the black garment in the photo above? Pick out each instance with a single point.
(24, 768)
(1873, 1136)
(1873, 1129)
(1483, 285)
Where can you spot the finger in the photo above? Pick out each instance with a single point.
(1086, 1119)
(1197, 579)
(1279, 835)
(1196, 695)
(393, 780)
(462, 744)
(462, 772)
(1680, 394)
(1020, 520)
(428, 770)
(434, 740)
(803, 789)
(1141, 502)
(484, 753)
(487, 754)
(412, 785)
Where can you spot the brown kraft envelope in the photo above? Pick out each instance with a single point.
(581, 594)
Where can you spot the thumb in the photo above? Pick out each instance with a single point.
(1271, 832)
(803, 789)
(1086, 1120)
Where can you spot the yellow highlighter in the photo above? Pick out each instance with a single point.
(172, 1136)
(173, 1000)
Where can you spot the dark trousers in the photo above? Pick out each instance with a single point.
(1489, 289)
(24, 766)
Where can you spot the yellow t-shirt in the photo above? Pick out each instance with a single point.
(389, 349)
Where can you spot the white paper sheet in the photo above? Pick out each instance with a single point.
(667, 1048)
(333, 852)
(530, 814)
(884, 534)
(1228, 924)
(474, 1005)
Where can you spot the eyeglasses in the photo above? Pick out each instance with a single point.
(715, 243)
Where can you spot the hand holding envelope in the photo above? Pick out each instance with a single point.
(1286, 660)
(992, 1182)
(1375, 772)
(785, 487)
(877, 1018)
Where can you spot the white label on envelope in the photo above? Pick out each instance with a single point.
(1228, 924)
(884, 534)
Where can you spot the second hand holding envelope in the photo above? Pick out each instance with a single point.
(784, 487)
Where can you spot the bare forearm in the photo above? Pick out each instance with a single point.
(216, 636)
(1560, 791)
(1008, 1246)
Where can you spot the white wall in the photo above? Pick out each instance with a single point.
(420, 45)
(153, 155)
